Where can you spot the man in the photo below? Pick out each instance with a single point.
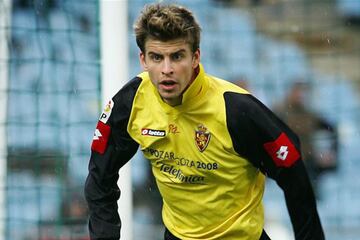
(210, 143)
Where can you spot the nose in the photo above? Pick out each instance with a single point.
(167, 67)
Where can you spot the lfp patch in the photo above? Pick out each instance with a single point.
(104, 117)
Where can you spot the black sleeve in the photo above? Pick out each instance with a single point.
(111, 148)
(262, 138)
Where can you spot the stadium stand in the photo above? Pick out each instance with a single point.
(54, 96)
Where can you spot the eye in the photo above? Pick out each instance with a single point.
(155, 57)
(177, 56)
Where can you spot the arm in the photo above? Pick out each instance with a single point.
(259, 136)
(111, 148)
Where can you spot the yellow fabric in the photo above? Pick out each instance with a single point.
(208, 194)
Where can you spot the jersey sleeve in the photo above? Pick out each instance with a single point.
(262, 138)
(111, 148)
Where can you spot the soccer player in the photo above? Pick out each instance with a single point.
(210, 144)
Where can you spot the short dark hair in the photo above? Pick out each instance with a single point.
(167, 22)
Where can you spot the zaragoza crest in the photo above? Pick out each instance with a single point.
(202, 137)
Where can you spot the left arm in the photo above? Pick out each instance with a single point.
(259, 136)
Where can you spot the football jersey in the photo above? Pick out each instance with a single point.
(209, 156)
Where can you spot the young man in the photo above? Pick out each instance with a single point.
(210, 144)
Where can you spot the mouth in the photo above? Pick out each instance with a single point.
(167, 84)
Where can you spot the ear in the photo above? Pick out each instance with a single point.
(196, 58)
(142, 61)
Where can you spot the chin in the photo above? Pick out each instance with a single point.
(167, 99)
(167, 96)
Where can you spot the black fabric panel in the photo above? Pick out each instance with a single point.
(101, 189)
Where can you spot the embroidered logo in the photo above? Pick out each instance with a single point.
(152, 132)
(173, 129)
(97, 134)
(282, 151)
(202, 137)
(101, 137)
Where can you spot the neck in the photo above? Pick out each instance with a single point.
(193, 77)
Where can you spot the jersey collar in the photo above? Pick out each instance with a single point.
(196, 88)
(192, 96)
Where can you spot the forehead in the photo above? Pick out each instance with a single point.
(166, 47)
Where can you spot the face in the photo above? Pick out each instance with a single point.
(171, 66)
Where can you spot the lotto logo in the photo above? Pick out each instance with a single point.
(152, 132)
(282, 151)
(101, 137)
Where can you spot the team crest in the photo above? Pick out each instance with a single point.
(202, 137)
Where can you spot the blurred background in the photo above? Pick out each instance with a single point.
(300, 57)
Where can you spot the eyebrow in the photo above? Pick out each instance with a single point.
(177, 52)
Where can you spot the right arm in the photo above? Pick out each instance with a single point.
(112, 148)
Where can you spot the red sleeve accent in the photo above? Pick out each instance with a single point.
(101, 137)
(282, 151)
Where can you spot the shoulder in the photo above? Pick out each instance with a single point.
(225, 86)
(246, 111)
(243, 103)
(122, 101)
(128, 90)
(237, 100)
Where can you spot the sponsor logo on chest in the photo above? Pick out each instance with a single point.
(202, 135)
(153, 132)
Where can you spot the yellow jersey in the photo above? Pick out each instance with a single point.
(209, 157)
